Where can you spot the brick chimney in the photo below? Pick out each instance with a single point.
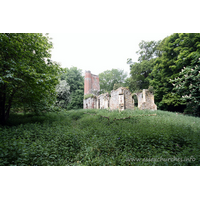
(87, 82)
(91, 83)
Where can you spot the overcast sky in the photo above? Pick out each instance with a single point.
(98, 36)
(99, 52)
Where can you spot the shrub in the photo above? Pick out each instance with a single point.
(87, 96)
(84, 137)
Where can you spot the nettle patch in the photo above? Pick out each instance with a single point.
(85, 138)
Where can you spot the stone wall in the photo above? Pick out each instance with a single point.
(129, 102)
(114, 100)
(121, 99)
(90, 103)
(146, 100)
(103, 101)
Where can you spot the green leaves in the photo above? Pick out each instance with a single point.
(109, 78)
(76, 138)
(63, 94)
(26, 79)
(148, 50)
(74, 79)
(178, 50)
(187, 85)
(140, 72)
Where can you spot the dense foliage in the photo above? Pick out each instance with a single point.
(140, 74)
(27, 75)
(148, 50)
(89, 96)
(109, 78)
(140, 71)
(188, 86)
(178, 50)
(73, 77)
(162, 61)
(63, 94)
(84, 137)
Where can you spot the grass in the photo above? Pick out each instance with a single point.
(85, 138)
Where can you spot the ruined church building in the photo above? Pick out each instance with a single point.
(120, 99)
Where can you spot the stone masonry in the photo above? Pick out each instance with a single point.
(146, 100)
(90, 103)
(103, 101)
(120, 99)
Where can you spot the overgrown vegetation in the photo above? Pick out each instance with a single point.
(63, 94)
(162, 61)
(112, 79)
(84, 137)
(73, 77)
(28, 76)
(87, 96)
(29, 83)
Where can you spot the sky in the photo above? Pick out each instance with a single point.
(99, 35)
(99, 52)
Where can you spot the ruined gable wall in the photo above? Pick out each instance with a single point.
(121, 99)
(147, 100)
(140, 99)
(114, 100)
(104, 101)
(90, 103)
(129, 102)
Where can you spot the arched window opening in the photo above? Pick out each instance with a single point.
(134, 97)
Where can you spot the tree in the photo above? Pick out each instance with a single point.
(187, 85)
(63, 94)
(75, 80)
(109, 78)
(148, 50)
(73, 77)
(178, 50)
(27, 75)
(140, 72)
(117, 85)
(76, 99)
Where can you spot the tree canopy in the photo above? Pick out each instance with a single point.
(161, 62)
(63, 94)
(140, 71)
(187, 85)
(27, 75)
(140, 74)
(178, 50)
(109, 78)
(148, 50)
(73, 76)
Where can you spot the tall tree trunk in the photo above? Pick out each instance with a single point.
(5, 109)
(3, 104)
(9, 105)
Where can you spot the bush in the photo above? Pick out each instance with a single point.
(84, 137)
(87, 96)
